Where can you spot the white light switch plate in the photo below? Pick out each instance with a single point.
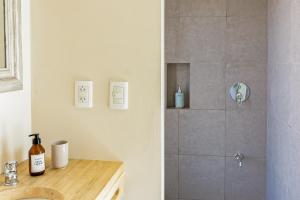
(84, 94)
(118, 98)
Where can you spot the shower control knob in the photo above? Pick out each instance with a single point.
(239, 157)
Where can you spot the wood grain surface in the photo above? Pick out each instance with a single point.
(80, 180)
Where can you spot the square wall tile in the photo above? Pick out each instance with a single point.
(280, 33)
(171, 30)
(254, 75)
(294, 172)
(277, 158)
(201, 38)
(281, 78)
(247, 8)
(246, 133)
(247, 182)
(202, 132)
(279, 144)
(295, 101)
(246, 39)
(201, 177)
(171, 176)
(207, 92)
(171, 131)
(172, 8)
(202, 8)
(296, 31)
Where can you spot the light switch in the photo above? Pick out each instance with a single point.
(118, 95)
(84, 94)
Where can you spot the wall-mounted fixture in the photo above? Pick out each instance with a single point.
(118, 98)
(239, 92)
(84, 94)
(239, 157)
(10, 173)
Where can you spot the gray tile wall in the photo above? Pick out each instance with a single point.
(283, 177)
(224, 41)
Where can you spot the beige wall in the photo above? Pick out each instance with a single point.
(15, 110)
(99, 41)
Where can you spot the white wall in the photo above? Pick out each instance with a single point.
(15, 108)
(100, 40)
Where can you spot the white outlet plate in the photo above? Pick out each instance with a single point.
(84, 94)
(118, 98)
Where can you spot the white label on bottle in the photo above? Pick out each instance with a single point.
(37, 163)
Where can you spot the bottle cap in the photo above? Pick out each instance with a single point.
(36, 139)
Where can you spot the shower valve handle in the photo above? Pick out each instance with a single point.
(239, 157)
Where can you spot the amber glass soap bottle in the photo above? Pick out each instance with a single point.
(36, 156)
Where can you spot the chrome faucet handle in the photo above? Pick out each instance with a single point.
(239, 98)
(10, 173)
(239, 157)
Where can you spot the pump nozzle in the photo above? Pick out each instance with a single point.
(36, 139)
(179, 89)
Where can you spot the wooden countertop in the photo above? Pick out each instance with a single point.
(81, 179)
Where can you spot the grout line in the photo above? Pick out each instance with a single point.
(226, 11)
(208, 16)
(218, 156)
(178, 170)
(187, 109)
(225, 145)
(202, 155)
(225, 93)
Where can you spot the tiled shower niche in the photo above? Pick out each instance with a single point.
(178, 74)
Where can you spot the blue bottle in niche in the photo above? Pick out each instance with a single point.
(179, 98)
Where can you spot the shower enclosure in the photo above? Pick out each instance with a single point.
(215, 147)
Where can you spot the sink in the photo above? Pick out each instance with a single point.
(31, 193)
